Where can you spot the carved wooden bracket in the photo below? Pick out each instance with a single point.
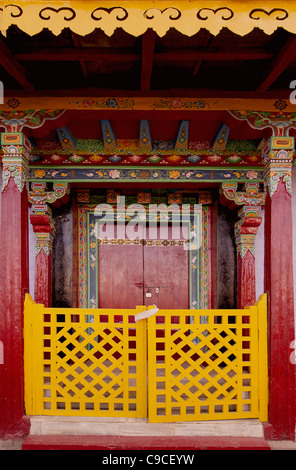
(250, 196)
(41, 219)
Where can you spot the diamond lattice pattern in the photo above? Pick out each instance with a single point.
(91, 364)
(202, 371)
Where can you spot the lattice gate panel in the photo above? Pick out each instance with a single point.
(88, 365)
(203, 371)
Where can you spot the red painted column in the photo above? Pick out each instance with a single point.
(245, 234)
(44, 231)
(14, 282)
(279, 285)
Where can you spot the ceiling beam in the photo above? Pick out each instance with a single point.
(123, 55)
(11, 65)
(286, 55)
(148, 42)
(172, 92)
(79, 54)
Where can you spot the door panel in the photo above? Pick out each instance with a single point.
(166, 270)
(127, 271)
(120, 269)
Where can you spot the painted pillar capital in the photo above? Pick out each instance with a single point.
(42, 221)
(246, 229)
(16, 149)
(278, 154)
(250, 199)
(44, 228)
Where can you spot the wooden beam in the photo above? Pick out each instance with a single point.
(11, 65)
(148, 42)
(211, 55)
(123, 55)
(280, 63)
(80, 53)
(171, 93)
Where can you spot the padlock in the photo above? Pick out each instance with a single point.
(148, 293)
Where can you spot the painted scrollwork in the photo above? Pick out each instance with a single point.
(69, 13)
(225, 13)
(175, 13)
(14, 14)
(81, 16)
(19, 171)
(278, 14)
(273, 179)
(121, 15)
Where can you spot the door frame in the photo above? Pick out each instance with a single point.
(86, 254)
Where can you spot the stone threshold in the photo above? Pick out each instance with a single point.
(70, 425)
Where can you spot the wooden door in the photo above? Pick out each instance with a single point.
(129, 270)
(166, 271)
(120, 272)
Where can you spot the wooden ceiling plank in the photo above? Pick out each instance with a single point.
(12, 66)
(280, 63)
(148, 43)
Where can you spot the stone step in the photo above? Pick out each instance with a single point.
(64, 425)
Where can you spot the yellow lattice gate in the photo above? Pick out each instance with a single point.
(208, 365)
(77, 364)
(202, 364)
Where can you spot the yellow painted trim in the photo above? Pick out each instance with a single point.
(136, 16)
(262, 357)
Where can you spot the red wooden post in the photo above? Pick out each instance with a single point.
(245, 235)
(14, 282)
(279, 285)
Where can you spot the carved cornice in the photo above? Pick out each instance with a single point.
(135, 17)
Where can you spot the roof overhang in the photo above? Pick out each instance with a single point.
(136, 16)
